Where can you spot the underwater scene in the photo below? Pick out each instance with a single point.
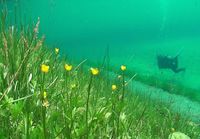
(94, 69)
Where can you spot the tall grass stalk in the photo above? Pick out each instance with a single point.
(123, 86)
(87, 104)
(43, 108)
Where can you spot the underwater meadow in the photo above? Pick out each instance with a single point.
(89, 69)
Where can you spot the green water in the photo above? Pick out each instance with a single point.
(134, 30)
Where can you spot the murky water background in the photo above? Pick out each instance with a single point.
(135, 31)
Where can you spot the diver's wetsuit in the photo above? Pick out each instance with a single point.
(167, 62)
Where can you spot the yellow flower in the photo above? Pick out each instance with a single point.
(114, 87)
(45, 95)
(45, 103)
(44, 68)
(94, 71)
(56, 50)
(123, 68)
(68, 67)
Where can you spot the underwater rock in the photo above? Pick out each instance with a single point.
(178, 135)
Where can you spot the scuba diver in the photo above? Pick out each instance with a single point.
(168, 62)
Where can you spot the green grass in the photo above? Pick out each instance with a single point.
(174, 88)
(77, 104)
(177, 88)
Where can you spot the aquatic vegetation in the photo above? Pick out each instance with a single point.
(45, 103)
(39, 98)
(178, 135)
(155, 81)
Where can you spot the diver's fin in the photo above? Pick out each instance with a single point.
(179, 52)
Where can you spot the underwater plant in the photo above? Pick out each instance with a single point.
(39, 98)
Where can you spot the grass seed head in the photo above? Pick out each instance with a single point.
(45, 95)
(56, 50)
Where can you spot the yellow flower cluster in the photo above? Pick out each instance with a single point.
(68, 67)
